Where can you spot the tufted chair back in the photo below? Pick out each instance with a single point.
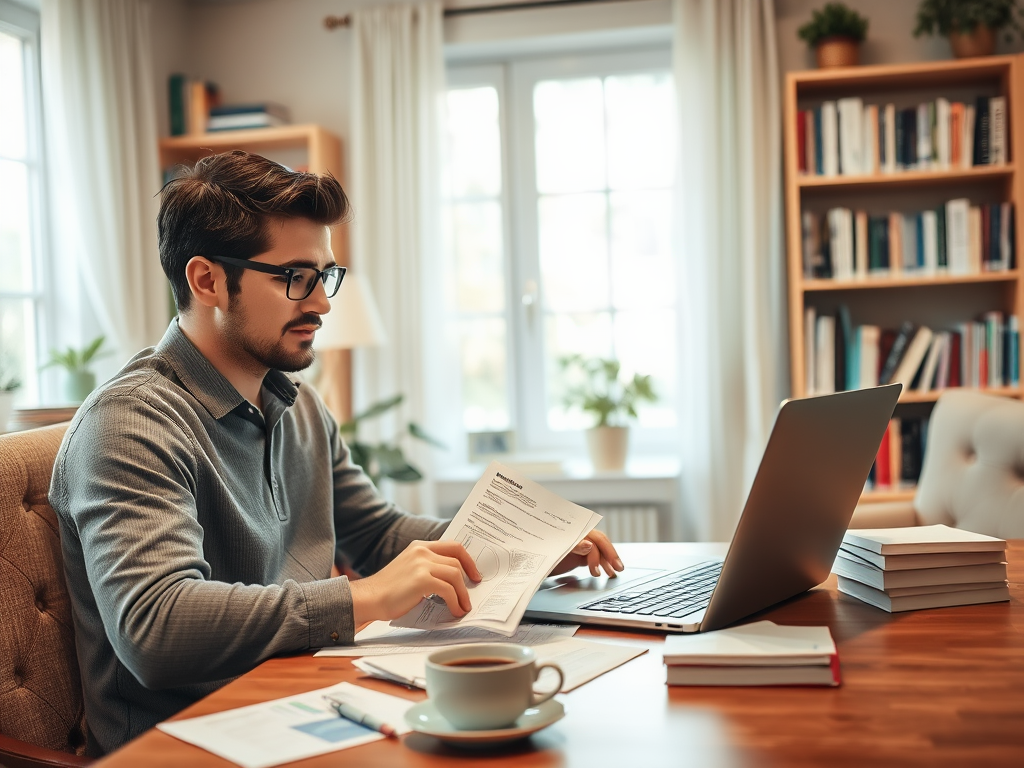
(973, 473)
(40, 685)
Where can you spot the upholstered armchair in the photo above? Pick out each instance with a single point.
(42, 722)
(973, 471)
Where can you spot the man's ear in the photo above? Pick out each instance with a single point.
(207, 282)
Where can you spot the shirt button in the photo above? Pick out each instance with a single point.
(334, 636)
(251, 409)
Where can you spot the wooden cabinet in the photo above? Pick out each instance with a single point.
(939, 299)
(309, 147)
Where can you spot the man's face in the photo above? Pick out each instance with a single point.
(263, 328)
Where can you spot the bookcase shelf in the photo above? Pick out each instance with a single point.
(877, 497)
(937, 299)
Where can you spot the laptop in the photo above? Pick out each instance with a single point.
(811, 476)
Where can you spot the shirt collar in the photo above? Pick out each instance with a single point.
(206, 383)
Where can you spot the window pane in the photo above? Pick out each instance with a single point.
(570, 145)
(574, 252)
(15, 228)
(586, 334)
(641, 123)
(484, 382)
(474, 142)
(12, 97)
(17, 357)
(643, 273)
(479, 265)
(645, 343)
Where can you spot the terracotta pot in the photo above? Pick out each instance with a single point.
(838, 52)
(607, 447)
(981, 41)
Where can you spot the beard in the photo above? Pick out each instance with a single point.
(261, 353)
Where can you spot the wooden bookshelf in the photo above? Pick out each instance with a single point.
(938, 300)
(319, 151)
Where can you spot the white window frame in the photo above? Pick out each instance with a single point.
(515, 78)
(24, 23)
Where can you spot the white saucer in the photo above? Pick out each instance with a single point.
(424, 718)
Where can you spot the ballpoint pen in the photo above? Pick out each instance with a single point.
(356, 715)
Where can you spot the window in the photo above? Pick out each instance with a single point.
(559, 187)
(22, 277)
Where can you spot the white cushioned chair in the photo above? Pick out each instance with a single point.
(973, 472)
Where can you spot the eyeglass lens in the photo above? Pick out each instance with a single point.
(304, 282)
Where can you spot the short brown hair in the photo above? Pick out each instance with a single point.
(222, 206)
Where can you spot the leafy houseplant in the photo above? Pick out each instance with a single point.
(380, 460)
(835, 32)
(970, 25)
(594, 386)
(75, 362)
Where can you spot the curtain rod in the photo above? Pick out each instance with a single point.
(333, 22)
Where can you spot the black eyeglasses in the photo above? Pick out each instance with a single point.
(299, 281)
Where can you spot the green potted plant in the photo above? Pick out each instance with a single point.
(970, 25)
(79, 380)
(9, 384)
(594, 386)
(384, 459)
(835, 32)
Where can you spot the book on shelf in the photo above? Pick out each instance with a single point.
(849, 137)
(916, 560)
(912, 358)
(760, 653)
(913, 602)
(920, 539)
(879, 578)
(240, 116)
(190, 100)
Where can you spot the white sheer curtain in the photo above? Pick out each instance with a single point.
(729, 241)
(102, 155)
(397, 88)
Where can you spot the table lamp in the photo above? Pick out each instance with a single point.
(352, 322)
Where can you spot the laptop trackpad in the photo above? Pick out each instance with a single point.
(580, 580)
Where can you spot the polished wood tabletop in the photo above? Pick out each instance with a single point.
(939, 687)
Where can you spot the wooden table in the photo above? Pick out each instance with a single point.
(935, 687)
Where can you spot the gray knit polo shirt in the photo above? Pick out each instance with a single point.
(199, 534)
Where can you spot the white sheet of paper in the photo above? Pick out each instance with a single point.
(292, 728)
(380, 638)
(516, 531)
(580, 660)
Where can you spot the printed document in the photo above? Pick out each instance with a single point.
(517, 532)
(292, 728)
(380, 638)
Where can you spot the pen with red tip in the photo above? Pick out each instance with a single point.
(356, 715)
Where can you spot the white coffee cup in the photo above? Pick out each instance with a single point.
(486, 686)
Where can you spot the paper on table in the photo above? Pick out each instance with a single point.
(580, 660)
(292, 728)
(380, 638)
(517, 532)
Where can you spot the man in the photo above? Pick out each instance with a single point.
(204, 496)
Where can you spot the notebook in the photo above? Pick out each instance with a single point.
(810, 478)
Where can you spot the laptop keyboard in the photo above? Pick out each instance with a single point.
(675, 595)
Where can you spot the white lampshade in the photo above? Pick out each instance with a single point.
(353, 320)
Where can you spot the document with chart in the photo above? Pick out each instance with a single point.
(517, 532)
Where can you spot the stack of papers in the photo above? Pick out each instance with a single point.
(581, 661)
(516, 532)
(932, 566)
(762, 653)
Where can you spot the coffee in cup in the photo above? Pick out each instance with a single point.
(486, 686)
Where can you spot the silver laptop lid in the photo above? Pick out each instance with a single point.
(811, 476)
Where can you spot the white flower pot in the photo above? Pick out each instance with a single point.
(608, 447)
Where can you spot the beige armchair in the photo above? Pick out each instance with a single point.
(973, 472)
(42, 721)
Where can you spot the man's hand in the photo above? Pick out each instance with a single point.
(595, 550)
(423, 568)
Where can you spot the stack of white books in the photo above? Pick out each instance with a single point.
(929, 566)
(762, 653)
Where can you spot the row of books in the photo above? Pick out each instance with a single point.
(847, 137)
(840, 356)
(900, 455)
(760, 653)
(932, 566)
(190, 100)
(239, 116)
(955, 238)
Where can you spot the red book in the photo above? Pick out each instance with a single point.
(954, 360)
(882, 474)
(801, 141)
